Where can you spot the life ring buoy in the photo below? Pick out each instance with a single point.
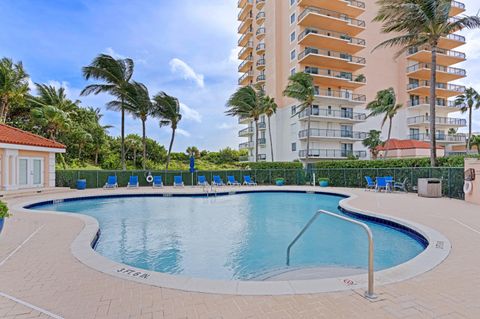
(468, 187)
(149, 178)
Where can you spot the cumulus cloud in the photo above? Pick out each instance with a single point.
(226, 126)
(190, 114)
(183, 132)
(114, 54)
(188, 73)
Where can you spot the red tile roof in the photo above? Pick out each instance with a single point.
(395, 144)
(12, 135)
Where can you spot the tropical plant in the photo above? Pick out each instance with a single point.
(116, 75)
(4, 210)
(419, 23)
(247, 102)
(133, 144)
(385, 104)
(300, 87)
(13, 86)
(167, 109)
(372, 142)
(80, 138)
(469, 101)
(193, 151)
(270, 108)
(475, 141)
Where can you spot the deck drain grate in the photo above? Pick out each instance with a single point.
(440, 244)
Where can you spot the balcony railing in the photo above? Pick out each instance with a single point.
(323, 153)
(341, 95)
(262, 157)
(245, 35)
(247, 131)
(440, 103)
(455, 138)
(249, 59)
(450, 53)
(246, 145)
(333, 14)
(457, 4)
(440, 68)
(262, 125)
(348, 115)
(248, 46)
(456, 37)
(332, 34)
(260, 15)
(335, 74)
(243, 77)
(442, 86)
(261, 31)
(438, 120)
(334, 54)
(262, 141)
(244, 23)
(261, 78)
(261, 62)
(261, 47)
(333, 134)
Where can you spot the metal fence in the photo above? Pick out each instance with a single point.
(453, 178)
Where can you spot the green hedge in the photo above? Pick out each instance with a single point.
(274, 165)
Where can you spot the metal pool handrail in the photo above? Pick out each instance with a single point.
(370, 290)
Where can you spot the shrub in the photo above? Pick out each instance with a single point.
(274, 165)
(4, 210)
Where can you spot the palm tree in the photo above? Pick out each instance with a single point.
(270, 108)
(139, 104)
(167, 108)
(475, 141)
(300, 87)
(385, 104)
(469, 101)
(13, 86)
(247, 102)
(422, 23)
(373, 141)
(116, 75)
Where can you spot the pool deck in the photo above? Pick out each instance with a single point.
(41, 278)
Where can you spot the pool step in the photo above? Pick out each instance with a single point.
(309, 273)
(31, 192)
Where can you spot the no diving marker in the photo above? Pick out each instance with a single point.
(349, 282)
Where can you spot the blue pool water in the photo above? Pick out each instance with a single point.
(235, 237)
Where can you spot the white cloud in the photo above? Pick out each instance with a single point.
(183, 132)
(188, 73)
(190, 114)
(233, 58)
(114, 54)
(226, 126)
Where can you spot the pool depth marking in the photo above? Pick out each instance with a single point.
(20, 246)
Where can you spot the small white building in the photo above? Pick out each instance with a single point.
(26, 160)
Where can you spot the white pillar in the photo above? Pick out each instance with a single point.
(10, 169)
(51, 170)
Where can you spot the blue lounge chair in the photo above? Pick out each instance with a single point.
(232, 182)
(247, 180)
(133, 182)
(217, 181)
(157, 182)
(202, 181)
(111, 182)
(381, 184)
(370, 184)
(178, 181)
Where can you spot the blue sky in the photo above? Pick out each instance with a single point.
(184, 47)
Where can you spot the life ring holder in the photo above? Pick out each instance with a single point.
(468, 187)
(149, 178)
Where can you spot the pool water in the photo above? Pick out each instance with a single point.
(236, 237)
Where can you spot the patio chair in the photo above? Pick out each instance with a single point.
(401, 186)
(247, 180)
(157, 182)
(178, 181)
(202, 181)
(232, 182)
(111, 182)
(133, 182)
(381, 184)
(217, 181)
(370, 183)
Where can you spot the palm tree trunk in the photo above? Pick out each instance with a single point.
(270, 136)
(470, 115)
(433, 113)
(96, 157)
(124, 166)
(170, 148)
(388, 137)
(3, 106)
(144, 142)
(309, 124)
(256, 142)
(135, 157)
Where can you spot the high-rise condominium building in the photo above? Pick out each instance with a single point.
(333, 41)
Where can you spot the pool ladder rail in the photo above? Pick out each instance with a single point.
(207, 189)
(369, 294)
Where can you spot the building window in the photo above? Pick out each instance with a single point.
(293, 71)
(294, 110)
(294, 147)
(292, 2)
(292, 18)
(293, 55)
(292, 37)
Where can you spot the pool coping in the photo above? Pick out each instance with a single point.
(435, 253)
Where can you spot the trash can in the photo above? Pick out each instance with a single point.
(430, 187)
(81, 184)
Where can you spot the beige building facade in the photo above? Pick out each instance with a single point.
(333, 41)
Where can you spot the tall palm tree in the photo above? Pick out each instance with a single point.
(140, 105)
(420, 23)
(300, 87)
(385, 104)
(470, 101)
(13, 86)
(247, 102)
(116, 75)
(475, 141)
(167, 108)
(270, 108)
(373, 141)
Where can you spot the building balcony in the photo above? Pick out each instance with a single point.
(326, 134)
(245, 38)
(260, 49)
(332, 59)
(457, 8)
(331, 154)
(261, 64)
(246, 78)
(424, 105)
(246, 146)
(327, 77)
(441, 138)
(245, 3)
(444, 57)
(443, 89)
(318, 17)
(262, 142)
(439, 121)
(452, 41)
(261, 33)
(260, 18)
(262, 157)
(350, 7)
(245, 65)
(340, 116)
(444, 73)
(340, 96)
(261, 79)
(246, 132)
(244, 120)
(260, 4)
(246, 158)
(246, 24)
(330, 40)
(262, 126)
(245, 51)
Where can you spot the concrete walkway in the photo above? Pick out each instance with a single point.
(38, 269)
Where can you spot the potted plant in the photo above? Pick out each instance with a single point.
(279, 181)
(323, 182)
(3, 214)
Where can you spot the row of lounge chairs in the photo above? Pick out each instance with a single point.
(157, 181)
(385, 183)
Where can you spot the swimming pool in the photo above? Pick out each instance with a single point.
(237, 237)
